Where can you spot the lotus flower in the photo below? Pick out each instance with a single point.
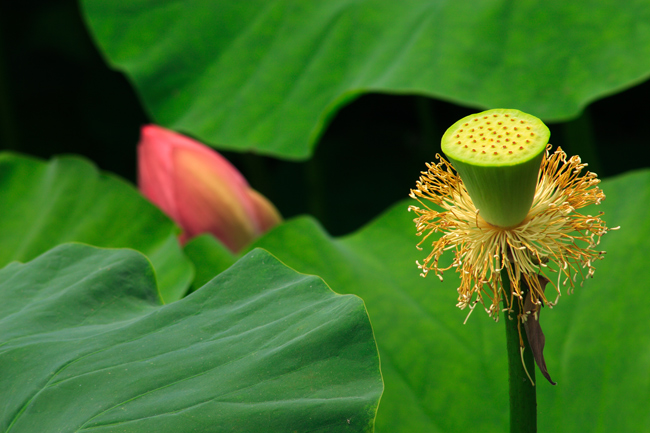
(200, 190)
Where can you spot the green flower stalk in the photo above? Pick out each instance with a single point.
(508, 208)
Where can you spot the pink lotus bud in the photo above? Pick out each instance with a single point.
(200, 190)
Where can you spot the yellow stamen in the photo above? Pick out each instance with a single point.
(551, 232)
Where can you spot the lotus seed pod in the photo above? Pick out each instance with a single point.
(497, 154)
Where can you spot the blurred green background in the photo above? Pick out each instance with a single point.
(58, 96)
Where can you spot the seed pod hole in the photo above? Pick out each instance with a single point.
(492, 129)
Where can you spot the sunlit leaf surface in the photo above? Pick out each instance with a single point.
(86, 346)
(269, 75)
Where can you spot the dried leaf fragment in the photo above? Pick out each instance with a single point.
(534, 333)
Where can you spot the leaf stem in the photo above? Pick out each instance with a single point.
(523, 399)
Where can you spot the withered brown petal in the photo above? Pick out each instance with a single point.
(534, 333)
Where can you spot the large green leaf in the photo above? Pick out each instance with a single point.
(443, 376)
(268, 75)
(67, 199)
(209, 256)
(85, 346)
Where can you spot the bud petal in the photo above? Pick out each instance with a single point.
(266, 214)
(200, 190)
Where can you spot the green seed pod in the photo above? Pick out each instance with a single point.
(497, 154)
